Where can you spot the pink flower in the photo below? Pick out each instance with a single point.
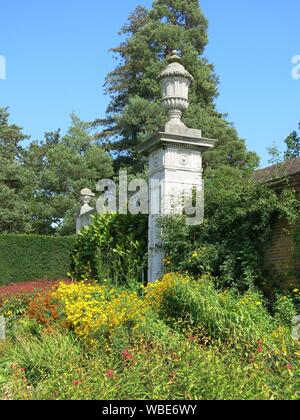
(110, 373)
(27, 288)
(127, 355)
(260, 347)
(77, 383)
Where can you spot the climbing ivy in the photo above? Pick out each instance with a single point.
(239, 216)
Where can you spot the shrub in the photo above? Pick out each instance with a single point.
(113, 247)
(197, 308)
(239, 216)
(14, 308)
(33, 257)
(285, 309)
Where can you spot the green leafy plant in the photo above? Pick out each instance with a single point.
(239, 216)
(13, 308)
(113, 247)
(284, 309)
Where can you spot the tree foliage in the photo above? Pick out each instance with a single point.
(293, 145)
(15, 178)
(40, 184)
(135, 111)
(64, 166)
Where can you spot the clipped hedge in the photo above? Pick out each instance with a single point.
(33, 257)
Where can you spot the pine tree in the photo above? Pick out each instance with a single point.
(15, 179)
(135, 110)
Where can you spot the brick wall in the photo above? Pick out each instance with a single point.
(281, 262)
(282, 256)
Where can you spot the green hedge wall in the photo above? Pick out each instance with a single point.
(34, 257)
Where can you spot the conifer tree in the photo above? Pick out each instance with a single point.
(293, 146)
(15, 179)
(135, 110)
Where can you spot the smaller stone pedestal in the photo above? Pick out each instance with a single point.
(84, 216)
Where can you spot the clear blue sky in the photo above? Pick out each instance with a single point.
(57, 57)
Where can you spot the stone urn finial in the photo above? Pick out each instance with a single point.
(175, 82)
(86, 196)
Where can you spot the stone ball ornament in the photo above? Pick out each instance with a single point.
(175, 82)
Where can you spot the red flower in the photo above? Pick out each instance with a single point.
(127, 355)
(260, 346)
(27, 288)
(289, 367)
(23, 370)
(77, 383)
(110, 373)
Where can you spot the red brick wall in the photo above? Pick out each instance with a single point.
(282, 257)
(281, 262)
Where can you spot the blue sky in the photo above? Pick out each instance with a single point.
(57, 57)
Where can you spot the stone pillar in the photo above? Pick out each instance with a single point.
(175, 158)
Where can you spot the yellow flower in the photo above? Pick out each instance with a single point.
(155, 291)
(91, 309)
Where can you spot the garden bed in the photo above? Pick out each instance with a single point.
(175, 339)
